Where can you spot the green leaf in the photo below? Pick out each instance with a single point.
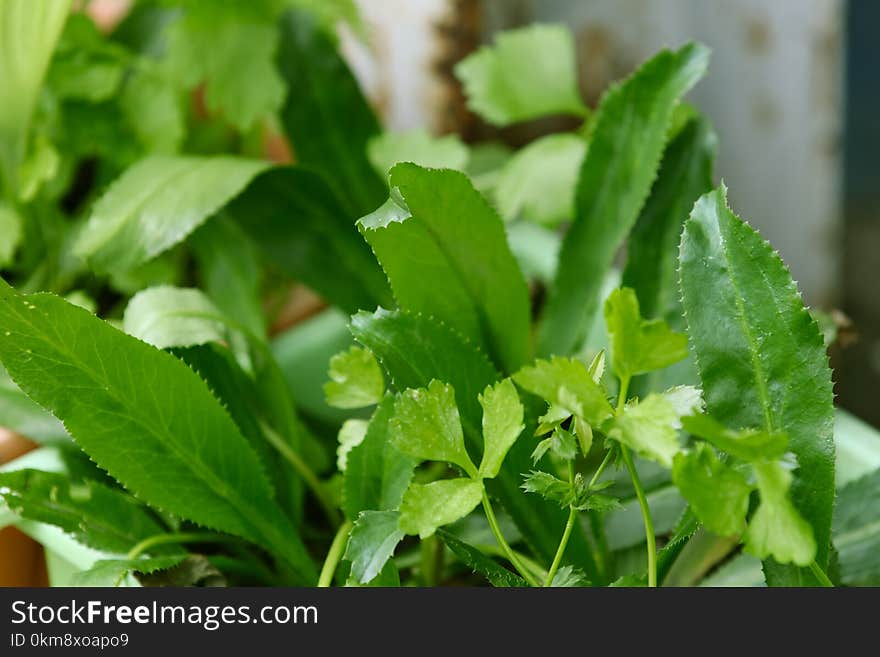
(29, 31)
(777, 529)
(562, 444)
(111, 572)
(639, 345)
(445, 254)
(857, 448)
(480, 563)
(649, 427)
(376, 473)
(502, 425)
(39, 167)
(372, 541)
(426, 507)
(529, 72)
(10, 234)
(415, 349)
(21, 415)
(426, 426)
(537, 184)
(652, 249)
(95, 515)
(325, 116)
(750, 445)
(857, 531)
(760, 355)
(231, 48)
(322, 233)
(231, 272)
(568, 576)
(717, 493)
(154, 108)
(620, 165)
(166, 316)
(146, 418)
(416, 146)
(351, 434)
(549, 487)
(535, 248)
(156, 203)
(567, 384)
(355, 379)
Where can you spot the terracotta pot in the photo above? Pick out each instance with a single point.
(22, 562)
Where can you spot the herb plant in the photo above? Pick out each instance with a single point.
(505, 403)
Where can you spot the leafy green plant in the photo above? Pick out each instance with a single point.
(487, 398)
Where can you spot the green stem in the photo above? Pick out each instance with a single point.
(177, 538)
(508, 551)
(824, 580)
(572, 517)
(608, 457)
(640, 491)
(334, 555)
(646, 516)
(303, 470)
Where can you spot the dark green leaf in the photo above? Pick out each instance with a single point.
(376, 473)
(95, 515)
(616, 176)
(326, 117)
(760, 354)
(146, 418)
(371, 543)
(445, 253)
(300, 225)
(480, 563)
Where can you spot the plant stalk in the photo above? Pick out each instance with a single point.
(566, 534)
(334, 555)
(502, 542)
(176, 538)
(820, 575)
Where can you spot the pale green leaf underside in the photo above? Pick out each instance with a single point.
(158, 202)
(857, 531)
(166, 316)
(145, 417)
(760, 355)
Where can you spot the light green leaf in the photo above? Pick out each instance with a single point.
(857, 447)
(10, 233)
(616, 176)
(639, 345)
(146, 418)
(95, 515)
(535, 248)
(376, 473)
(426, 507)
(777, 529)
(156, 203)
(480, 563)
(857, 531)
(86, 66)
(351, 434)
(29, 30)
(111, 572)
(750, 445)
(537, 184)
(166, 316)
(761, 356)
(445, 253)
(717, 493)
(355, 379)
(416, 146)
(153, 107)
(372, 541)
(502, 425)
(566, 383)
(230, 48)
(562, 444)
(39, 166)
(649, 428)
(529, 72)
(426, 426)
(549, 487)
